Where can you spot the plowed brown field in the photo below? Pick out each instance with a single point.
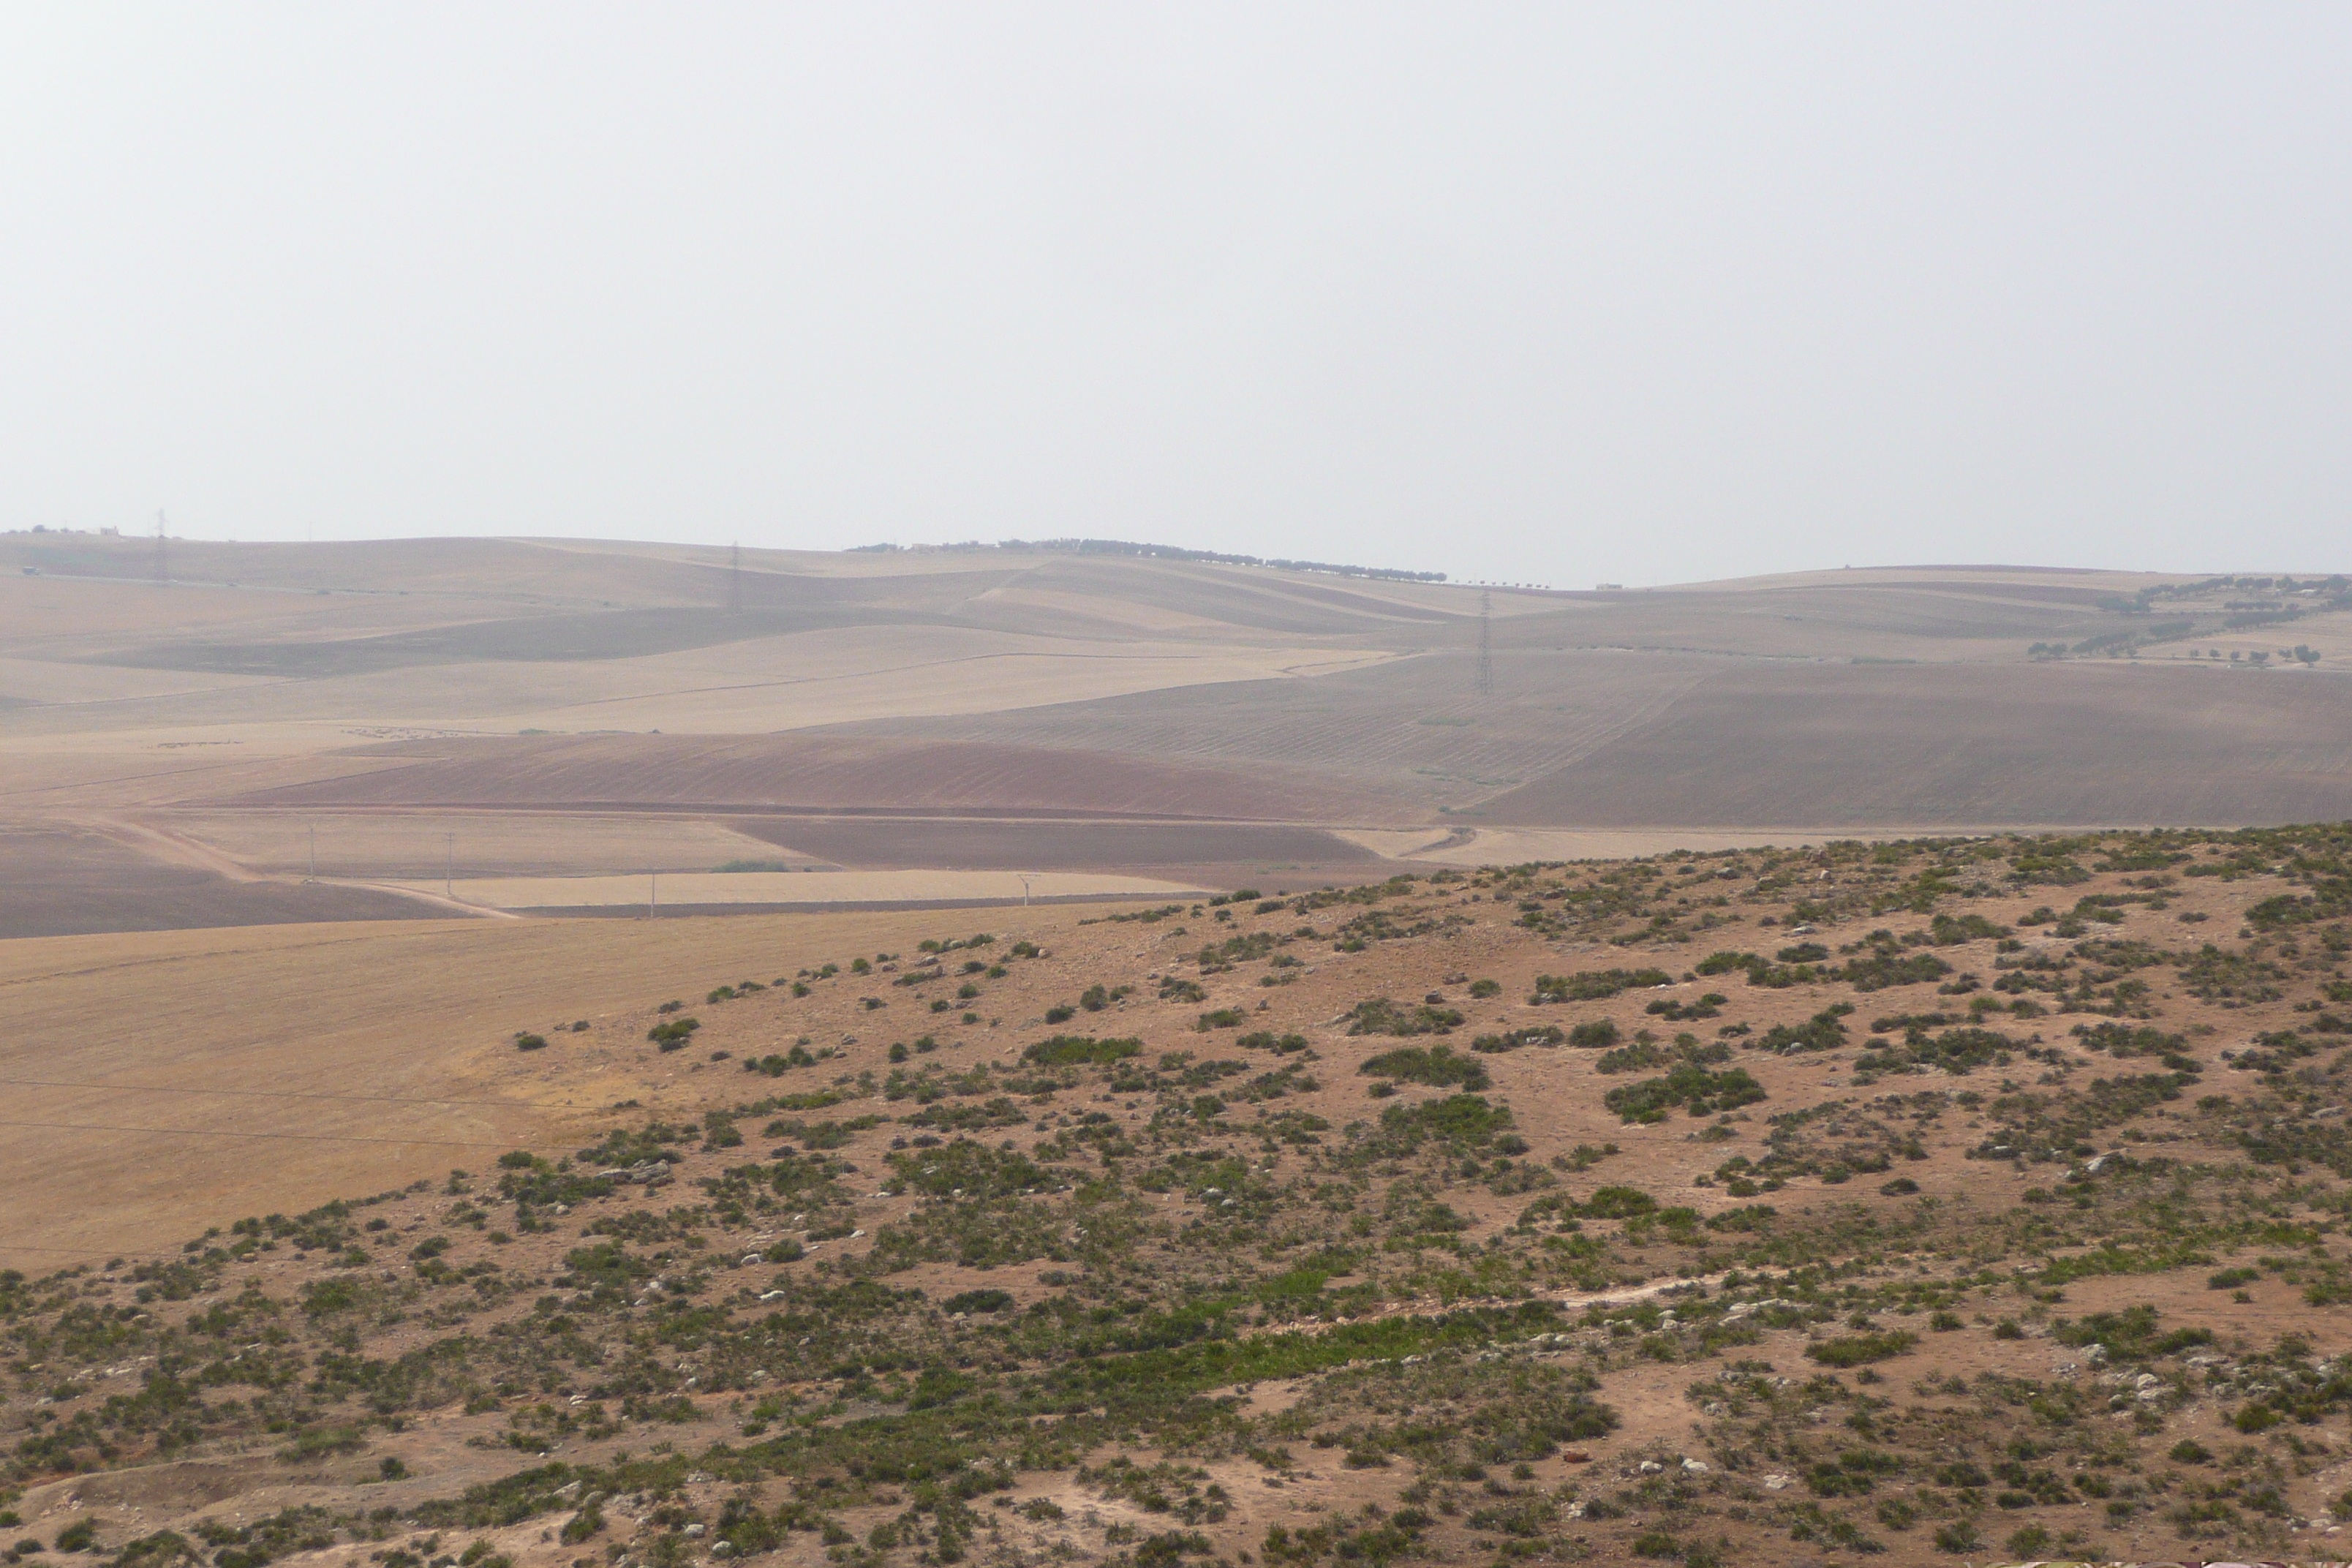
(1954, 744)
(807, 772)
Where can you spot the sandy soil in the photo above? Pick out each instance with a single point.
(414, 844)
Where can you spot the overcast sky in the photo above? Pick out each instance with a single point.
(1548, 292)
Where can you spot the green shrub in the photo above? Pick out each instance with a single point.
(327, 1296)
(529, 1042)
(587, 1522)
(1516, 1039)
(1700, 1091)
(1080, 1050)
(973, 1169)
(1617, 1202)
(1595, 984)
(1822, 1032)
(1460, 1120)
(1860, 1350)
(1437, 1067)
(1378, 1016)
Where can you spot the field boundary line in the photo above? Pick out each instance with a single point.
(281, 1137)
(280, 1094)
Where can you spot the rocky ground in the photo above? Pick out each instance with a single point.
(1929, 1201)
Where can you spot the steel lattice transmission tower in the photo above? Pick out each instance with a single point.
(162, 573)
(1486, 646)
(735, 579)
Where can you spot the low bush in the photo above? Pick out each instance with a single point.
(1437, 1067)
(1861, 1350)
(1080, 1050)
(1378, 1016)
(1595, 984)
(1693, 1088)
(1516, 1039)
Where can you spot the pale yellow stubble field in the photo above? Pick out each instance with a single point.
(159, 1083)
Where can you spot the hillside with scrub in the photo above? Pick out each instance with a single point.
(1923, 1200)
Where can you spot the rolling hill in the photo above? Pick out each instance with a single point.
(989, 701)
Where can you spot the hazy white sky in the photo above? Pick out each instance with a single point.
(1544, 292)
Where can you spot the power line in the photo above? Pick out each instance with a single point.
(1486, 646)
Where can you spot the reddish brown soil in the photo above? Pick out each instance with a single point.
(61, 882)
(1864, 744)
(809, 771)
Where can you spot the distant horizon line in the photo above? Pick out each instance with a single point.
(1137, 550)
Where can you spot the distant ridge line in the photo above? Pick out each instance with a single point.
(1161, 552)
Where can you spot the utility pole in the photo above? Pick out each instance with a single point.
(1486, 647)
(1026, 877)
(314, 853)
(449, 865)
(160, 574)
(653, 895)
(735, 579)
